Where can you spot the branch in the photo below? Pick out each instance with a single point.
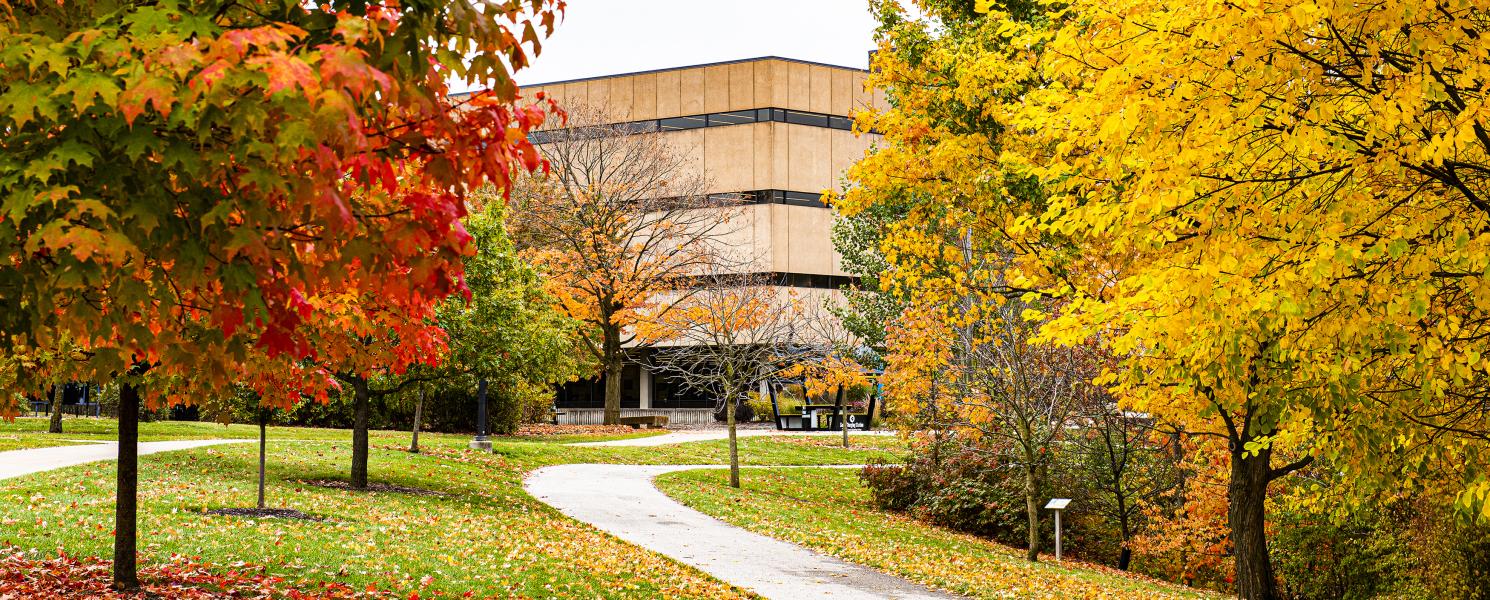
(1289, 468)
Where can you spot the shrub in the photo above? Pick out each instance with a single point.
(760, 406)
(744, 413)
(962, 486)
(891, 487)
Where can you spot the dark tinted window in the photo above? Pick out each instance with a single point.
(638, 127)
(803, 199)
(798, 117)
(677, 123)
(737, 117)
(732, 118)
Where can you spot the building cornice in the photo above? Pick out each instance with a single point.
(697, 66)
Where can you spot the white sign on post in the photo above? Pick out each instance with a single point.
(1058, 505)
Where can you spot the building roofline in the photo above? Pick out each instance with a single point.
(695, 66)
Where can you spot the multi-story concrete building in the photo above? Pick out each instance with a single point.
(776, 131)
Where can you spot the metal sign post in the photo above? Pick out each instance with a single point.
(1057, 505)
(481, 442)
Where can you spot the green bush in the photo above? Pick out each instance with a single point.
(1408, 548)
(962, 486)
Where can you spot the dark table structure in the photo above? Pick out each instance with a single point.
(823, 417)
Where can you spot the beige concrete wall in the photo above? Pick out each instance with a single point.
(761, 83)
(780, 156)
(757, 156)
(781, 238)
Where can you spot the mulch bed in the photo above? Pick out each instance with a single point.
(266, 513)
(542, 430)
(26, 575)
(337, 484)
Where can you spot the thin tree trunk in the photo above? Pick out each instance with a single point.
(360, 409)
(127, 484)
(1125, 555)
(612, 377)
(263, 444)
(843, 414)
(1032, 509)
(418, 412)
(734, 447)
(58, 392)
(1246, 515)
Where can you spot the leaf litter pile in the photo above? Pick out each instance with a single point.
(266, 513)
(70, 577)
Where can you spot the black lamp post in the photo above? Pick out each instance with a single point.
(481, 442)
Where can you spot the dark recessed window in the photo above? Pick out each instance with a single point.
(735, 117)
(638, 127)
(803, 199)
(738, 117)
(677, 123)
(797, 117)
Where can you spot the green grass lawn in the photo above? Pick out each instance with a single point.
(484, 535)
(842, 522)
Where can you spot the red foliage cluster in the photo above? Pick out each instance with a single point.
(69, 577)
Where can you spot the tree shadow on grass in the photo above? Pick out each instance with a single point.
(337, 484)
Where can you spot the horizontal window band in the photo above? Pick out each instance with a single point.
(725, 199)
(719, 119)
(782, 279)
(809, 199)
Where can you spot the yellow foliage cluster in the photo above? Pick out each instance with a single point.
(1270, 208)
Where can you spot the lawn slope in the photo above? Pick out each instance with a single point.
(829, 510)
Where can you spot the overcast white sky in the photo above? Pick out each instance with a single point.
(604, 37)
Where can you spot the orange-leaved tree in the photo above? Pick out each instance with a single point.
(178, 179)
(620, 226)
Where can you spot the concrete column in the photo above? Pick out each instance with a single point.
(645, 379)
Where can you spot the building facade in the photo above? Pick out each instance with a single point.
(775, 131)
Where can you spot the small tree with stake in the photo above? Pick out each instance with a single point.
(734, 332)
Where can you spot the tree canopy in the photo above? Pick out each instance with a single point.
(179, 179)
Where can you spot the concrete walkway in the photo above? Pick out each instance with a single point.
(682, 437)
(621, 500)
(16, 463)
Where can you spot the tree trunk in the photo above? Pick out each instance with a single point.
(734, 446)
(58, 392)
(1245, 515)
(843, 414)
(612, 377)
(1032, 508)
(418, 412)
(360, 408)
(127, 484)
(263, 443)
(1125, 555)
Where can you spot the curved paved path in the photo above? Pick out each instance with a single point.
(683, 437)
(16, 463)
(621, 500)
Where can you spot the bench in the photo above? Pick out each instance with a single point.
(648, 421)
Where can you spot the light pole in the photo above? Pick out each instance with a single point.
(1058, 505)
(481, 442)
